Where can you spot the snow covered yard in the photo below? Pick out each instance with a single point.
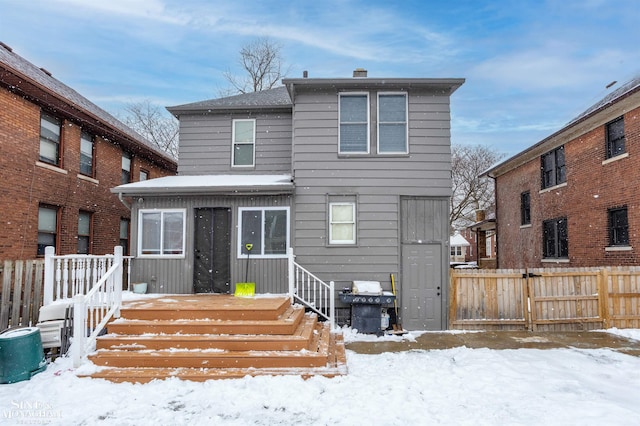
(454, 386)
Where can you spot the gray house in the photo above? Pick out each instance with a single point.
(354, 174)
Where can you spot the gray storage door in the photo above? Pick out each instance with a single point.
(421, 287)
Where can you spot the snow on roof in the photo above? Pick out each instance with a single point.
(458, 240)
(198, 184)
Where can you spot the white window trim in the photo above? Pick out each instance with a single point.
(406, 123)
(252, 254)
(233, 143)
(162, 212)
(331, 223)
(346, 94)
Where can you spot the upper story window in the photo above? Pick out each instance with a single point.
(124, 236)
(354, 123)
(555, 238)
(47, 228)
(144, 175)
(618, 227)
(161, 233)
(392, 123)
(266, 229)
(342, 223)
(553, 168)
(244, 142)
(615, 138)
(50, 131)
(525, 208)
(126, 167)
(84, 232)
(86, 154)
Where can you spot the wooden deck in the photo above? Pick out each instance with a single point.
(202, 337)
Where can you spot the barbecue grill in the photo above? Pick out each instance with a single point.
(366, 299)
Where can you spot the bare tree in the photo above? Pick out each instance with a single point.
(155, 124)
(263, 64)
(471, 192)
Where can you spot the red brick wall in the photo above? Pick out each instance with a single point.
(25, 184)
(592, 188)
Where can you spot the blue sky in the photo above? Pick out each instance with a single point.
(530, 66)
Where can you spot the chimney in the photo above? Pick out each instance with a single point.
(359, 72)
(480, 215)
(305, 74)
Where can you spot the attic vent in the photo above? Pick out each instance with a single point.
(359, 72)
(45, 71)
(6, 47)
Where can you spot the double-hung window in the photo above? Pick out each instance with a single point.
(615, 138)
(392, 123)
(354, 123)
(161, 233)
(525, 208)
(618, 227)
(84, 232)
(265, 229)
(50, 130)
(342, 223)
(553, 168)
(244, 143)
(86, 154)
(555, 238)
(124, 236)
(126, 168)
(47, 228)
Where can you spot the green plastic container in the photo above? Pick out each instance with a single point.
(21, 354)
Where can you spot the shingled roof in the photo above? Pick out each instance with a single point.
(266, 99)
(38, 85)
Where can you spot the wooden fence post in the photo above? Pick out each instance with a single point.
(603, 296)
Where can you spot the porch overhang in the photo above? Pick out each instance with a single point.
(208, 185)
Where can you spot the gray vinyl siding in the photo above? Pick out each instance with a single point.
(175, 276)
(205, 144)
(379, 181)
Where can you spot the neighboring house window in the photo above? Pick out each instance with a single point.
(354, 124)
(456, 251)
(525, 208)
(553, 168)
(50, 130)
(615, 138)
(144, 175)
(124, 236)
(618, 227)
(86, 154)
(342, 223)
(47, 228)
(244, 141)
(126, 167)
(392, 123)
(555, 238)
(84, 232)
(161, 233)
(266, 229)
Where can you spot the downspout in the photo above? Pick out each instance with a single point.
(128, 206)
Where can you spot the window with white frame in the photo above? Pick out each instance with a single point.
(342, 223)
(161, 233)
(354, 123)
(392, 123)
(266, 229)
(244, 141)
(47, 227)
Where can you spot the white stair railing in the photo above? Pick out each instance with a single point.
(311, 291)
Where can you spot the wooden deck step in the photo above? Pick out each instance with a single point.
(297, 341)
(206, 306)
(285, 324)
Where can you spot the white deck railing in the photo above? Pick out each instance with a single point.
(94, 285)
(311, 291)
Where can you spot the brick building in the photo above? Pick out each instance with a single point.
(61, 155)
(572, 199)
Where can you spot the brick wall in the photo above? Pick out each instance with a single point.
(26, 183)
(591, 189)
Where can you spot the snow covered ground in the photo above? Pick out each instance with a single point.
(458, 386)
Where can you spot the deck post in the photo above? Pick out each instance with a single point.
(118, 259)
(332, 304)
(291, 258)
(49, 274)
(79, 329)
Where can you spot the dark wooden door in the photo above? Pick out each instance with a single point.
(212, 250)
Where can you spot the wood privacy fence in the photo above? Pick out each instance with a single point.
(21, 297)
(552, 299)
